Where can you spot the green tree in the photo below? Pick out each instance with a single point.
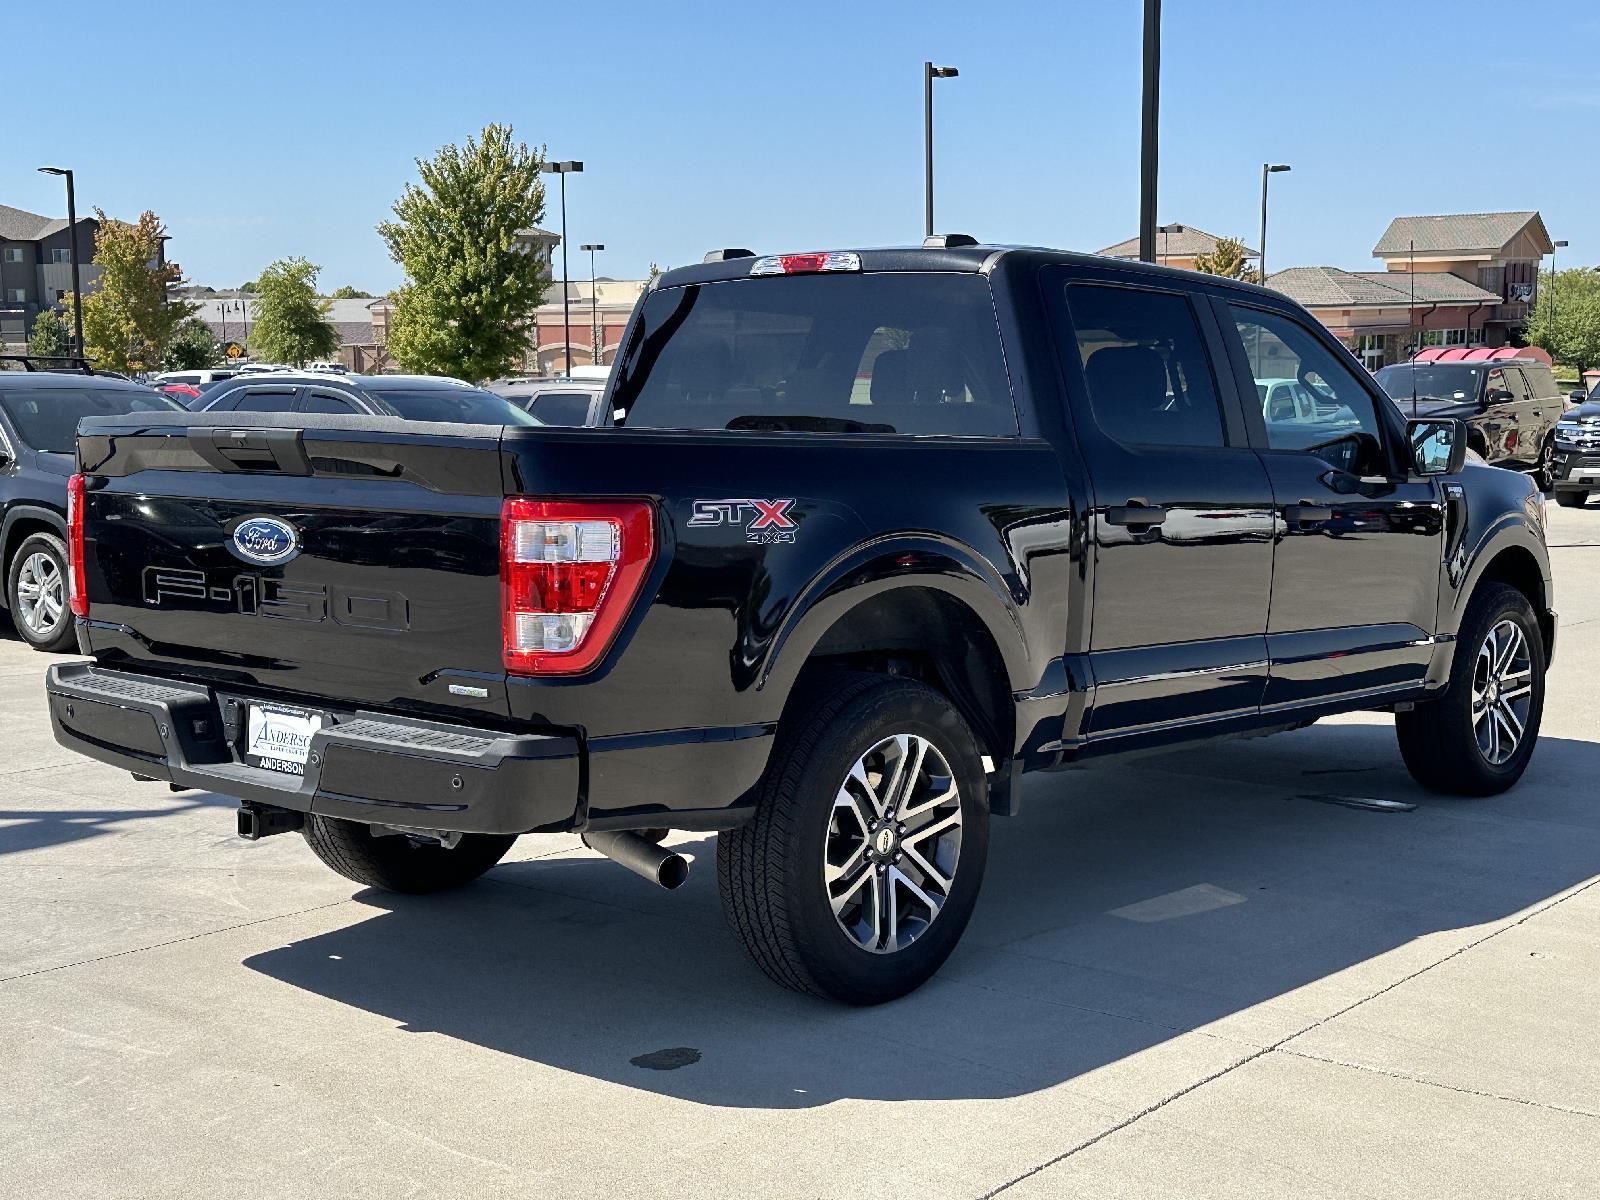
(290, 322)
(467, 305)
(128, 318)
(349, 293)
(1229, 260)
(193, 347)
(650, 279)
(51, 336)
(1574, 339)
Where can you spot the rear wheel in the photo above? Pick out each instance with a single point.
(1571, 499)
(401, 862)
(1544, 471)
(862, 865)
(1476, 738)
(36, 593)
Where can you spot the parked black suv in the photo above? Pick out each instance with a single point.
(1511, 407)
(1578, 454)
(410, 397)
(874, 533)
(39, 413)
(572, 402)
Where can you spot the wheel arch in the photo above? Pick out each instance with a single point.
(949, 628)
(21, 522)
(1516, 565)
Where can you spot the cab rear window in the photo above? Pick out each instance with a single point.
(894, 352)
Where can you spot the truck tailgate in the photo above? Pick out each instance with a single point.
(354, 558)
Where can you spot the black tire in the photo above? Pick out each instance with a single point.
(770, 871)
(1544, 471)
(397, 863)
(1571, 499)
(1438, 739)
(60, 636)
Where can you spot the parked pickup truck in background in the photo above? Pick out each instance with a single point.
(872, 533)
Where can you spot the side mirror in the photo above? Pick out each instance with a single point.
(1577, 396)
(1498, 396)
(1438, 446)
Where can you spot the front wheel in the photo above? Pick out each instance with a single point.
(400, 862)
(1571, 499)
(1476, 738)
(859, 871)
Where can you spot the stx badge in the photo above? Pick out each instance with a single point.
(766, 522)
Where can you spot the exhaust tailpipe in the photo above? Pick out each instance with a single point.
(257, 821)
(645, 859)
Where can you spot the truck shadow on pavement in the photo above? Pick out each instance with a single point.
(1127, 905)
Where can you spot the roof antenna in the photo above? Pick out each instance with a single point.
(1411, 316)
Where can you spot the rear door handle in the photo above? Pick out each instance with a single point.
(1306, 513)
(1135, 514)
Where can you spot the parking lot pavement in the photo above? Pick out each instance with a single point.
(1192, 975)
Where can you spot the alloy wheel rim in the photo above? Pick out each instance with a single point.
(41, 594)
(1502, 692)
(893, 843)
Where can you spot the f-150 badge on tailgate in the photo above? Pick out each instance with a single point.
(766, 522)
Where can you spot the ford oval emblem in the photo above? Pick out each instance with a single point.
(265, 540)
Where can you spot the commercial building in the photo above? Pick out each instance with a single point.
(36, 268)
(1179, 247)
(1465, 279)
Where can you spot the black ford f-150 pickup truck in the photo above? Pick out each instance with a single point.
(871, 534)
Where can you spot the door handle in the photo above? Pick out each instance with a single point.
(1135, 514)
(1307, 513)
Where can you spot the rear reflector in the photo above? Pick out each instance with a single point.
(806, 264)
(77, 590)
(570, 571)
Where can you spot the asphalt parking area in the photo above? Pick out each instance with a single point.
(1201, 974)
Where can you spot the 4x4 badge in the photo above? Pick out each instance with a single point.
(766, 522)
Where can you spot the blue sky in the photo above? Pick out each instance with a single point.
(256, 131)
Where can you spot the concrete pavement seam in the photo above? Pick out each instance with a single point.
(1449, 1087)
(84, 962)
(1281, 1042)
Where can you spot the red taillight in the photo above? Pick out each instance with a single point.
(569, 572)
(77, 589)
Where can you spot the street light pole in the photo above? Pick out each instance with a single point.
(72, 257)
(1163, 230)
(929, 74)
(564, 169)
(594, 300)
(1150, 131)
(1267, 169)
(1554, 246)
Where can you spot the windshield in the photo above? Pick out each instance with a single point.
(458, 405)
(47, 418)
(895, 352)
(1428, 380)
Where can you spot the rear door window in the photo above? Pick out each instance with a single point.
(261, 400)
(888, 352)
(562, 408)
(1146, 367)
(329, 402)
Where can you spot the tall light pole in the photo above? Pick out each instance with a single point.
(1554, 246)
(929, 74)
(72, 255)
(1150, 130)
(594, 299)
(1163, 230)
(1267, 170)
(564, 169)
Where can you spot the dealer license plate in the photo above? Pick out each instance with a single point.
(279, 738)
